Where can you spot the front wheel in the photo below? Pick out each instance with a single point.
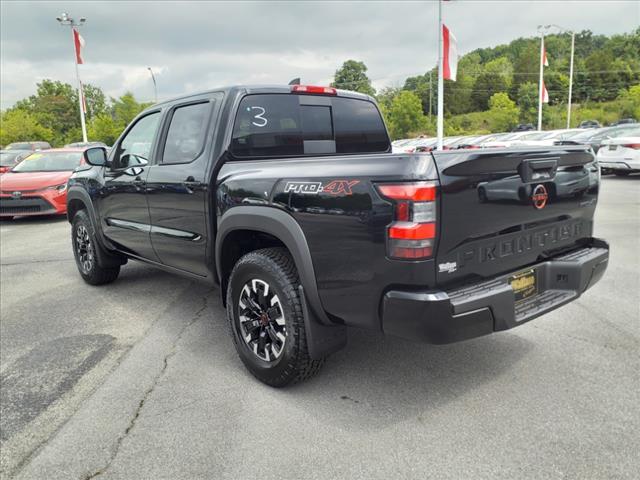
(85, 246)
(265, 317)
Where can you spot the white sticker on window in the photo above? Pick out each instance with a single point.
(261, 121)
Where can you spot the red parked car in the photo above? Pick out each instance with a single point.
(38, 184)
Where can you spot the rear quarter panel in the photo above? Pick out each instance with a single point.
(344, 222)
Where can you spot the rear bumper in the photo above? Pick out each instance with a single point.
(441, 317)
(624, 165)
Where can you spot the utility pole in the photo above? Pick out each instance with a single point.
(430, 95)
(65, 19)
(573, 45)
(155, 85)
(440, 120)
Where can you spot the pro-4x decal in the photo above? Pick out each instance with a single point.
(333, 187)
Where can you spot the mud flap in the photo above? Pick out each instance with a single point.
(322, 340)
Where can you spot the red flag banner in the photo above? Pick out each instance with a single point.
(78, 43)
(450, 54)
(545, 60)
(545, 93)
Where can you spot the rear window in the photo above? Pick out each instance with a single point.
(280, 125)
(18, 146)
(8, 159)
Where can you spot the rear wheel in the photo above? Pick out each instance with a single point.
(266, 320)
(85, 249)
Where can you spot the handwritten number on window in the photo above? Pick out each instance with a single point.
(258, 119)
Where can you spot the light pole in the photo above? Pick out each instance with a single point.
(65, 19)
(573, 45)
(155, 85)
(542, 29)
(440, 118)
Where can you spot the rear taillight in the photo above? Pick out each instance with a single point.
(314, 89)
(635, 146)
(413, 232)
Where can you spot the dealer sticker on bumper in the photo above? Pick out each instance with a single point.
(524, 284)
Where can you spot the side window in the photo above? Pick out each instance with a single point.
(186, 134)
(359, 127)
(135, 147)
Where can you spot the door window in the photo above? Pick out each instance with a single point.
(186, 134)
(135, 147)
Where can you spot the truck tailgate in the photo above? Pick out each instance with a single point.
(505, 209)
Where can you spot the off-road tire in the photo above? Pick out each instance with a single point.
(88, 267)
(275, 267)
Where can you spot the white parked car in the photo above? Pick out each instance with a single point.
(621, 155)
(547, 139)
(405, 145)
(508, 140)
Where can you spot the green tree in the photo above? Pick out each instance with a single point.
(385, 97)
(55, 107)
(496, 77)
(630, 102)
(405, 115)
(503, 113)
(126, 108)
(457, 95)
(18, 125)
(526, 64)
(424, 86)
(527, 99)
(95, 100)
(103, 128)
(353, 76)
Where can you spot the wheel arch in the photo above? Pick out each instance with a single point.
(79, 199)
(280, 229)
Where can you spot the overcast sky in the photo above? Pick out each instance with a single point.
(199, 45)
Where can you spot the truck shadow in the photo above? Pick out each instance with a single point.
(376, 380)
(382, 379)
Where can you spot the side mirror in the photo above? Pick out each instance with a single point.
(96, 156)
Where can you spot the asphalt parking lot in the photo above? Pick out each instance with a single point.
(139, 379)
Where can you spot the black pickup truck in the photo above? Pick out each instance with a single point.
(290, 200)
